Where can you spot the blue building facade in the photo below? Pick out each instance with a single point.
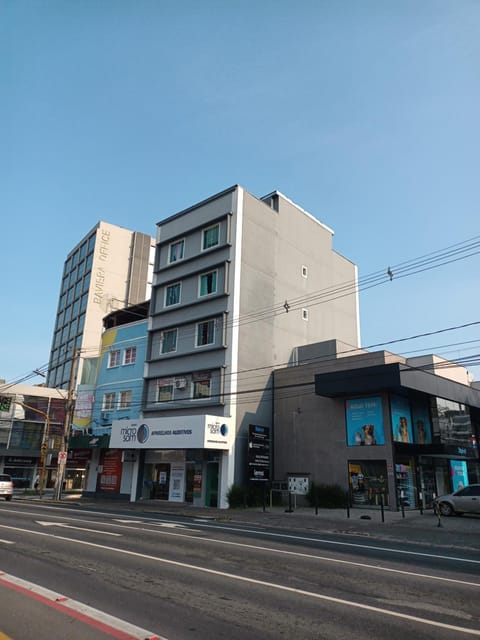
(111, 389)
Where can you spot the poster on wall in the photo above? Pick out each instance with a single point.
(177, 475)
(422, 425)
(111, 471)
(459, 474)
(364, 417)
(401, 419)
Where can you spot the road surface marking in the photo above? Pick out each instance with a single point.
(70, 526)
(6, 542)
(262, 583)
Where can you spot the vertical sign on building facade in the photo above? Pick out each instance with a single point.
(258, 452)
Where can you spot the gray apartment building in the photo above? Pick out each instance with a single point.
(110, 268)
(238, 282)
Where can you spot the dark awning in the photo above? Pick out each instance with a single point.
(395, 378)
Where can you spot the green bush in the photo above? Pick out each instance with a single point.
(250, 496)
(326, 496)
(236, 497)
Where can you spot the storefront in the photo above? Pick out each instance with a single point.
(180, 459)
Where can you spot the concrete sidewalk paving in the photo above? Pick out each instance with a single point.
(412, 526)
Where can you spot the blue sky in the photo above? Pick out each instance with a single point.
(364, 113)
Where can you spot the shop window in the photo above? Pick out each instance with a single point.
(368, 483)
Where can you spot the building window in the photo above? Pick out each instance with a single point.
(202, 387)
(172, 294)
(168, 341)
(205, 333)
(176, 251)
(108, 401)
(125, 400)
(114, 359)
(164, 390)
(130, 355)
(304, 272)
(211, 237)
(305, 314)
(208, 283)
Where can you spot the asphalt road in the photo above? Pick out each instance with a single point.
(200, 577)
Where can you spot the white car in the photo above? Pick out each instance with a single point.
(465, 500)
(6, 486)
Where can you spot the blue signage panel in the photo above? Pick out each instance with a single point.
(401, 419)
(364, 417)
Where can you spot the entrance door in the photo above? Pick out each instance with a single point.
(161, 481)
(211, 489)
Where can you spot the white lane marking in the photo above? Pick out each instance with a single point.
(311, 556)
(259, 532)
(346, 544)
(81, 608)
(7, 542)
(128, 521)
(70, 526)
(263, 583)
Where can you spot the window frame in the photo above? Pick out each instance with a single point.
(121, 404)
(214, 274)
(205, 232)
(167, 289)
(201, 383)
(110, 404)
(164, 383)
(129, 360)
(209, 322)
(162, 341)
(113, 359)
(171, 246)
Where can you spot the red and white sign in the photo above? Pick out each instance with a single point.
(62, 457)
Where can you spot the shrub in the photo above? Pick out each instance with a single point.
(250, 496)
(326, 496)
(236, 497)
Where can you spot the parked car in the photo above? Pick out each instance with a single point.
(465, 500)
(6, 486)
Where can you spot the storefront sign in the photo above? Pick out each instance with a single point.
(258, 452)
(189, 432)
(19, 460)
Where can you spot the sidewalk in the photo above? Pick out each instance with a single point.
(427, 529)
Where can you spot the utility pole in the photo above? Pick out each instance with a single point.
(70, 405)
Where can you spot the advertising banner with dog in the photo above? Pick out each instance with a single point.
(401, 419)
(364, 417)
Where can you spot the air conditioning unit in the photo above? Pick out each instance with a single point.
(180, 383)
